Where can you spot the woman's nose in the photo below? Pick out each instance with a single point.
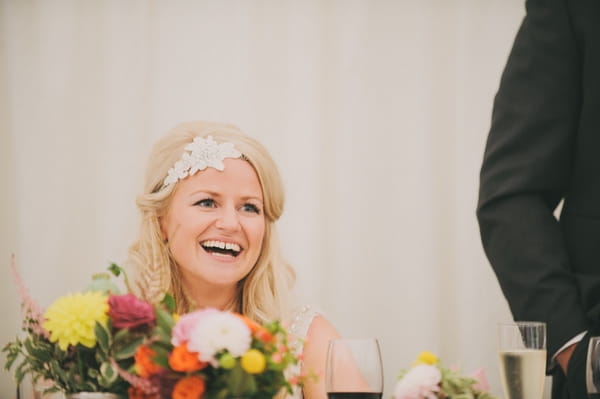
(228, 219)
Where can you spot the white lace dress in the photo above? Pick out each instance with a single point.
(299, 324)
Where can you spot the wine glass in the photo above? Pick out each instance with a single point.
(354, 369)
(522, 350)
(592, 368)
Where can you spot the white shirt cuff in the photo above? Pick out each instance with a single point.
(570, 342)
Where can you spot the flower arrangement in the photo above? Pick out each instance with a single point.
(100, 340)
(215, 354)
(82, 340)
(428, 379)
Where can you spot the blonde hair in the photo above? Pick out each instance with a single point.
(262, 294)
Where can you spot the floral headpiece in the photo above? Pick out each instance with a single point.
(199, 155)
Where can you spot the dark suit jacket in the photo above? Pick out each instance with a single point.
(543, 147)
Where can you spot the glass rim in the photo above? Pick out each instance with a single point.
(523, 323)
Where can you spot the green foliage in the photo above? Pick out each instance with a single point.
(164, 320)
(169, 303)
(77, 368)
(100, 368)
(458, 386)
(452, 385)
(241, 383)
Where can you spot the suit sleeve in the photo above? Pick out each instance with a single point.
(526, 172)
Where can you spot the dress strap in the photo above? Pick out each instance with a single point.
(300, 322)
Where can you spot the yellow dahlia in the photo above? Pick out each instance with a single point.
(70, 320)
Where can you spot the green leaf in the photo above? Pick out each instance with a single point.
(9, 361)
(89, 387)
(115, 269)
(109, 373)
(58, 371)
(121, 334)
(161, 360)
(21, 371)
(38, 352)
(168, 302)
(241, 383)
(93, 373)
(52, 389)
(161, 334)
(222, 394)
(102, 335)
(161, 349)
(128, 350)
(164, 320)
(13, 351)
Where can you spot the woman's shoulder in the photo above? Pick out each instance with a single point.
(305, 322)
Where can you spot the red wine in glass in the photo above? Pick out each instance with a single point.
(356, 395)
(354, 369)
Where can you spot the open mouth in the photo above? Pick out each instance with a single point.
(221, 248)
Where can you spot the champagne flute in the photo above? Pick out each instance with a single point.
(354, 369)
(522, 350)
(592, 368)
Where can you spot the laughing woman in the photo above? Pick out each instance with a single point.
(211, 198)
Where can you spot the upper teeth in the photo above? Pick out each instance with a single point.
(223, 245)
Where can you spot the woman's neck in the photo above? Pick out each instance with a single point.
(223, 298)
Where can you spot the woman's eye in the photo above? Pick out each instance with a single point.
(206, 203)
(251, 208)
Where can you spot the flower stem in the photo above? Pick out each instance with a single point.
(80, 365)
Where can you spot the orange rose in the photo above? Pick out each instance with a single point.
(262, 334)
(251, 324)
(181, 359)
(189, 388)
(144, 364)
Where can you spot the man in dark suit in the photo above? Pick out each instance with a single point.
(544, 147)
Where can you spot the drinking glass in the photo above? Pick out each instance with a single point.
(354, 369)
(522, 351)
(592, 368)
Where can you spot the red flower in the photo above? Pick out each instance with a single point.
(127, 311)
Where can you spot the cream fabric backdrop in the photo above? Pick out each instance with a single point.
(376, 112)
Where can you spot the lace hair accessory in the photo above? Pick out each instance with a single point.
(199, 155)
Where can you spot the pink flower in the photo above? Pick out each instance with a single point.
(186, 323)
(482, 383)
(128, 311)
(420, 382)
(276, 358)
